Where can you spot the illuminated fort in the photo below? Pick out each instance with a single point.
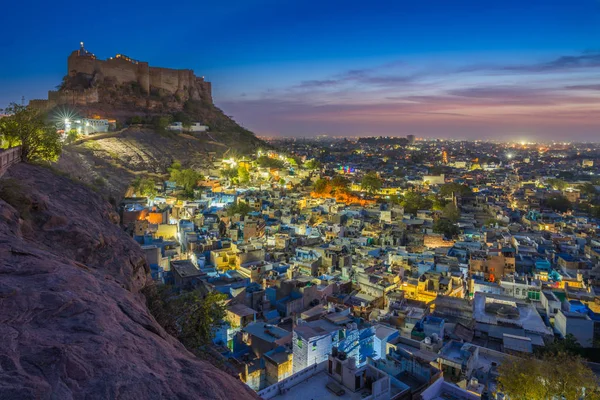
(83, 65)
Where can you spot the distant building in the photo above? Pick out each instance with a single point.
(434, 179)
(194, 127)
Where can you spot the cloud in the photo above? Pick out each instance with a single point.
(398, 98)
(316, 83)
(583, 87)
(588, 59)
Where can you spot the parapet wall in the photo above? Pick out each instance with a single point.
(8, 158)
(120, 69)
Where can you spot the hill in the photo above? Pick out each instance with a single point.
(146, 99)
(73, 319)
(112, 161)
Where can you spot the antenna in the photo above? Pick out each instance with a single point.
(22, 100)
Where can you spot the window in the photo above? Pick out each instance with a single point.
(299, 343)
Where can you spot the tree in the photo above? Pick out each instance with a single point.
(396, 199)
(321, 186)
(243, 174)
(588, 189)
(161, 123)
(186, 178)
(559, 376)
(451, 212)
(136, 119)
(558, 202)
(238, 208)
(445, 227)
(176, 165)
(568, 345)
(557, 184)
(439, 203)
(145, 187)
(200, 317)
(453, 188)
(312, 164)
(292, 161)
(268, 162)
(184, 118)
(229, 173)
(414, 201)
(339, 182)
(190, 316)
(371, 182)
(71, 136)
(27, 127)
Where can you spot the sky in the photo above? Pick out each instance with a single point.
(480, 69)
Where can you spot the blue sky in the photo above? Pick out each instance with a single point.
(464, 69)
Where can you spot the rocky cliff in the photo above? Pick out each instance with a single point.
(73, 322)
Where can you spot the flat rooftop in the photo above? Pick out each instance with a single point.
(185, 268)
(266, 332)
(314, 388)
(527, 316)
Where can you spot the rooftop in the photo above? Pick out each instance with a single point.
(185, 268)
(266, 332)
(314, 388)
(241, 310)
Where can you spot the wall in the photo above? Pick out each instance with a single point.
(8, 158)
(305, 355)
(121, 69)
(292, 381)
(174, 81)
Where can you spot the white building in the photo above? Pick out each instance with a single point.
(550, 302)
(86, 126)
(194, 127)
(434, 179)
(312, 343)
(577, 324)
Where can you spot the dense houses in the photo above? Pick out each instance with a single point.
(416, 284)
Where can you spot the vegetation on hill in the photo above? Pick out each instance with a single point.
(191, 316)
(29, 128)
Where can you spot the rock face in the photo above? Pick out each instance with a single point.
(73, 323)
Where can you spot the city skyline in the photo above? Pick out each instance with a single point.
(461, 71)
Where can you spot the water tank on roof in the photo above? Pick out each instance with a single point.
(351, 363)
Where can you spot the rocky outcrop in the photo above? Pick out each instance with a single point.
(73, 323)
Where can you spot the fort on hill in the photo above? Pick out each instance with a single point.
(90, 80)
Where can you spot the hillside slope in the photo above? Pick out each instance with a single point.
(112, 161)
(73, 322)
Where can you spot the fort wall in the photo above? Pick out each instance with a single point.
(182, 83)
(123, 70)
